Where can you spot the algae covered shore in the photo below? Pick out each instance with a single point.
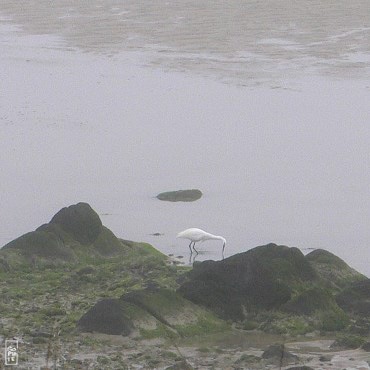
(77, 297)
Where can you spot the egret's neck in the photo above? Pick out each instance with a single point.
(217, 237)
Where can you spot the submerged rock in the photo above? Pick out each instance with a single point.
(181, 195)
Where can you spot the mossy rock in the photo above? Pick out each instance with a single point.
(75, 234)
(173, 310)
(153, 313)
(81, 221)
(287, 324)
(107, 244)
(344, 342)
(332, 270)
(261, 278)
(333, 320)
(355, 298)
(41, 244)
(311, 300)
(180, 195)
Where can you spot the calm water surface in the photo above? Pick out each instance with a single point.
(261, 105)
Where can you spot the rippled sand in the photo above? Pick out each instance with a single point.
(245, 42)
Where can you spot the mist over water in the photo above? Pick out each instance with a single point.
(264, 106)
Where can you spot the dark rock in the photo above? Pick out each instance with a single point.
(278, 354)
(40, 333)
(366, 346)
(107, 317)
(39, 340)
(276, 350)
(260, 278)
(180, 195)
(333, 270)
(79, 220)
(325, 358)
(356, 298)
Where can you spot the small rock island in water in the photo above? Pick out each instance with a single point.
(78, 297)
(190, 195)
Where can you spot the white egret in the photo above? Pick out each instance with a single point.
(197, 235)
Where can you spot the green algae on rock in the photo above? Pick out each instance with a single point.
(74, 233)
(333, 270)
(150, 313)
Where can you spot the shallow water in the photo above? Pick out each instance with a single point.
(262, 106)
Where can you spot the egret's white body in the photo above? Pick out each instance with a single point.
(198, 235)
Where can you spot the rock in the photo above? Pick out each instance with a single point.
(260, 278)
(356, 298)
(180, 195)
(64, 238)
(248, 359)
(311, 300)
(39, 340)
(4, 265)
(325, 358)
(278, 354)
(154, 312)
(40, 333)
(366, 346)
(79, 220)
(345, 342)
(333, 270)
(108, 317)
(301, 368)
(106, 243)
(41, 244)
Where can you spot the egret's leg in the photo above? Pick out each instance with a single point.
(194, 248)
(190, 248)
